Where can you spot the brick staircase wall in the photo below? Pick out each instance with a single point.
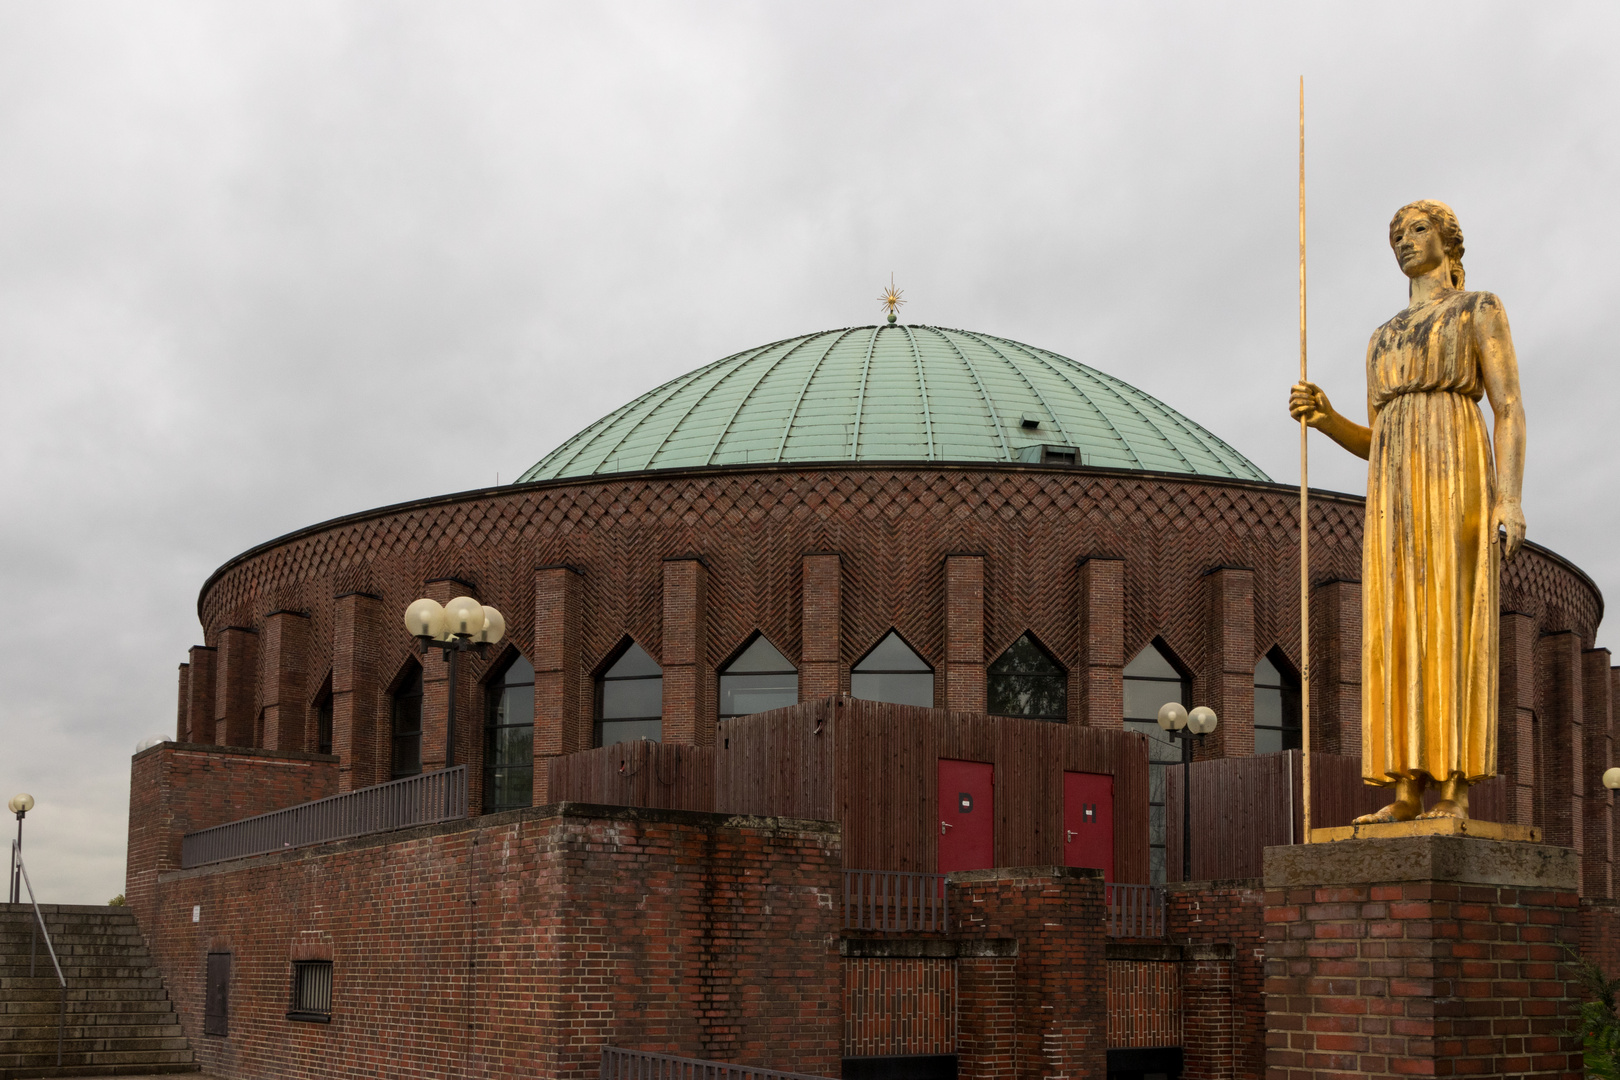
(119, 1017)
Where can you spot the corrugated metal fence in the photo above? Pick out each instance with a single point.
(399, 804)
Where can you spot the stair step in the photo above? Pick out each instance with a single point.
(30, 1073)
(45, 1028)
(131, 1061)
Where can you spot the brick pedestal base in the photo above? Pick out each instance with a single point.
(1425, 955)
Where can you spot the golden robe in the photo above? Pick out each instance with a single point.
(1429, 569)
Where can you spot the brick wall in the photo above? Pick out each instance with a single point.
(1055, 914)
(1221, 928)
(1144, 1002)
(518, 944)
(899, 1005)
(176, 788)
(1443, 969)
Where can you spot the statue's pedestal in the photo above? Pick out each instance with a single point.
(1432, 954)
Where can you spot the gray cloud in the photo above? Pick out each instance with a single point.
(262, 265)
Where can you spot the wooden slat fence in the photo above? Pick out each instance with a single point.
(1241, 806)
(620, 1064)
(669, 776)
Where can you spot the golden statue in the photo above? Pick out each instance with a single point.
(1436, 503)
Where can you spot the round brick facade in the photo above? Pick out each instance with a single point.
(1207, 566)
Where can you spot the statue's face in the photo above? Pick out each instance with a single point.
(1417, 244)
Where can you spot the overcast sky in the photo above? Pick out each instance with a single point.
(261, 265)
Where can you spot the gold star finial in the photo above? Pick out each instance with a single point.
(891, 297)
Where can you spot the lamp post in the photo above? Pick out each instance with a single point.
(1178, 723)
(20, 805)
(461, 625)
(1611, 779)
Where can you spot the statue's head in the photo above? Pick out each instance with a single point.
(1444, 224)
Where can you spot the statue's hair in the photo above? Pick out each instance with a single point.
(1451, 237)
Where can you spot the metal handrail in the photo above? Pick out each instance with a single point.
(431, 797)
(894, 901)
(61, 1023)
(1135, 911)
(618, 1064)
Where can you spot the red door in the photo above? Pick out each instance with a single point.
(967, 816)
(1088, 821)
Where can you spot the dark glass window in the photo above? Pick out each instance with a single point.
(892, 672)
(1151, 681)
(323, 721)
(1025, 681)
(509, 739)
(1276, 708)
(217, 995)
(630, 699)
(311, 991)
(407, 724)
(761, 678)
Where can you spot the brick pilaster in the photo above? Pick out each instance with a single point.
(821, 672)
(1097, 683)
(1336, 668)
(182, 728)
(200, 693)
(1056, 916)
(284, 679)
(1516, 753)
(1558, 714)
(236, 687)
(362, 748)
(964, 633)
(1227, 682)
(562, 722)
(1421, 956)
(688, 717)
(1597, 812)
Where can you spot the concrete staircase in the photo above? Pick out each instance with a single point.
(120, 1020)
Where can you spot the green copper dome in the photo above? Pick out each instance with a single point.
(894, 393)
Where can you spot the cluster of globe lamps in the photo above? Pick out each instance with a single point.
(1178, 723)
(460, 626)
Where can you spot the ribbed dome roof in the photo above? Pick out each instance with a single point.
(893, 393)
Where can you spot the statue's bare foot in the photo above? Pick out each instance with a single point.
(1395, 811)
(1445, 808)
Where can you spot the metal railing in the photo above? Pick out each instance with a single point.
(1135, 911)
(399, 804)
(895, 902)
(61, 1022)
(620, 1064)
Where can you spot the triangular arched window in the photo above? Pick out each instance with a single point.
(509, 738)
(760, 678)
(892, 672)
(630, 699)
(1276, 707)
(1026, 681)
(1151, 681)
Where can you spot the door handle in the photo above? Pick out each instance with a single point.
(945, 825)
(1071, 836)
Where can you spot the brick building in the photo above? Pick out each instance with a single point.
(895, 600)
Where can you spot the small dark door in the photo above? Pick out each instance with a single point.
(967, 815)
(217, 995)
(1088, 821)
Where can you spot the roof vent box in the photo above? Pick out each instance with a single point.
(1051, 454)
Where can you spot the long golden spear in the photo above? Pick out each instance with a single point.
(1304, 513)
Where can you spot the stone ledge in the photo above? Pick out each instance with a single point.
(1485, 830)
(1463, 859)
